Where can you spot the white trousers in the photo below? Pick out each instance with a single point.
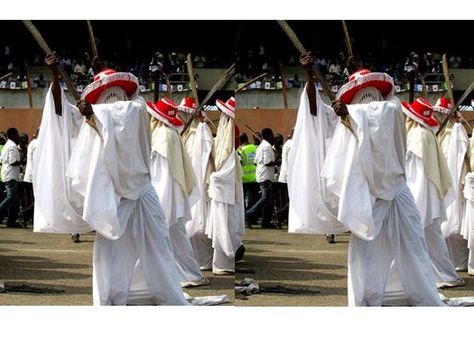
(146, 246)
(443, 268)
(400, 243)
(186, 264)
(203, 252)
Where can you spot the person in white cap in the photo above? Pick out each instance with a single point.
(225, 223)
(173, 177)
(388, 260)
(100, 180)
(454, 143)
(198, 141)
(429, 180)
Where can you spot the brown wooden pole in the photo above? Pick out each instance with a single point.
(283, 82)
(251, 81)
(347, 39)
(447, 79)
(28, 81)
(92, 39)
(192, 80)
(6, 76)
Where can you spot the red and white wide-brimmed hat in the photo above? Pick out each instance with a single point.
(228, 107)
(108, 78)
(421, 111)
(166, 111)
(364, 78)
(188, 105)
(443, 105)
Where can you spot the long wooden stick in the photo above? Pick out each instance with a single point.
(455, 107)
(189, 61)
(44, 46)
(6, 76)
(347, 39)
(448, 83)
(92, 39)
(251, 81)
(299, 46)
(28, 81)
(247, 126)
(229, 73)
(283, 83)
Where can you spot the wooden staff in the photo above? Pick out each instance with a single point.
(44, 46)
(92, 39)
(347, 39)
(283, 83)
(189, 61)
(247, 126)
(319, 77)
(6, 76)
(448, 83)
(251, 81)
(168, 85)
(425, 88)
(229, 73)
(453, 110)
(28, 81)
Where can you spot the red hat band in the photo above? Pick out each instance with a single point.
(358, 74)
(422, 107)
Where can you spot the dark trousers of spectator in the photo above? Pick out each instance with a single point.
(250, 194)
(265, 204)
(10, 203)
(282, 202)
(28, 202)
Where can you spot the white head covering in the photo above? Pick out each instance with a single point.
(367, 95)
(111, 95)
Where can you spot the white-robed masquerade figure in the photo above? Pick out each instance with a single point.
(198, 142)
(225, 221)
(102, 183)
(429, 180)
(454, 143)
(173, 177)
(364, 168)
(467, 229)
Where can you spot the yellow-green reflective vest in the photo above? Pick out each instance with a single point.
(247, 156)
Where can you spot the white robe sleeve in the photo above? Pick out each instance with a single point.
(53, 195)
(312, 210)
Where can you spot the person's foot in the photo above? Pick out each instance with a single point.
(331, 238)
(16, 225)
(223, 272)
(239, 254)
(269, 226)
(451, 284)
(76, 238)
(248, 225)
(196, 283)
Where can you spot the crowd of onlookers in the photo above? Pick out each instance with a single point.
(16, 189)
(334, 67)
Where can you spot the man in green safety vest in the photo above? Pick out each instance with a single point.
(246, 152)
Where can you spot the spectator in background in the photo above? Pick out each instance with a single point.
(3, 140)
(10, 159)
(80, 69)
(247, 152)
(282, 212)
(27, 213)
(265, 176)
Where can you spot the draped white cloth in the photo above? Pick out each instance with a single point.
(432, 211)
(311, 210)
(108, 187)
(468, 222)
(225, 223)
(455, 149)
(176, 207)
(196, 226)
(366, 172)
(53, 212)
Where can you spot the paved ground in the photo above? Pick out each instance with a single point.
(304, 262)
(54, 261)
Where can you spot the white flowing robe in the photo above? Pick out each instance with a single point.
(366, 172)
(468, 222)
(312, 208)
(53, 212)
(225, 225)
(455, 145)
(176, 204)
(430, 204)
(196, 226)
(107, 183)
